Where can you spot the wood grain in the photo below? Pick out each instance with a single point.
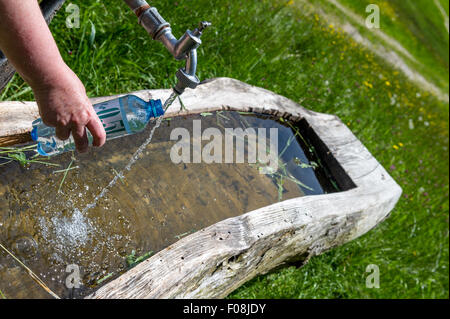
(214, 261)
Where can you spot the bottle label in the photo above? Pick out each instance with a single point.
(110, 113)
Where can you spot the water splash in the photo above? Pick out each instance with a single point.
(134, 158)
(70, 231)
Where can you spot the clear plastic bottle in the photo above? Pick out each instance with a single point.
(120, 117)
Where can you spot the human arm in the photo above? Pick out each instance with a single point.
(27, 42)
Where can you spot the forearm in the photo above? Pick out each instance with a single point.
(28, 43)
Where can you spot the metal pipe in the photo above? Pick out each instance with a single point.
(184, 48)
(136, 4)
(187, 77)
(191, 63)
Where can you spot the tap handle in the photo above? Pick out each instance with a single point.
(203, 25)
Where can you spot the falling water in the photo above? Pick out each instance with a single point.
(135, 156)
(170, 100)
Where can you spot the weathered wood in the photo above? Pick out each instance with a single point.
(15, 122)
(216, 260)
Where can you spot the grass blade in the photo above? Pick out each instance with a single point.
(31, 273)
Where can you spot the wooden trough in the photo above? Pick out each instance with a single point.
(216, 260)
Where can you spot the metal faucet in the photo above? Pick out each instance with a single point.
(183, 49)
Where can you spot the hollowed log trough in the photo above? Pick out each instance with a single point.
(216, 260)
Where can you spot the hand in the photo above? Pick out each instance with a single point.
(63, 104)
(28, 43)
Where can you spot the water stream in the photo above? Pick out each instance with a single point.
(135, 156)
(98, 227)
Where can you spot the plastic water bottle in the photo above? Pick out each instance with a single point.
(120, 117)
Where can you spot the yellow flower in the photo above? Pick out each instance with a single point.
(401, 144)
(331, 26)
(369, 85)
(395, 147)
(316, 17)
(388, 83)
(291, 2)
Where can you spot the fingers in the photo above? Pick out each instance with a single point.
(79, 134)
(80, 137)
(95, 126)
(79, 128)
(62, 132)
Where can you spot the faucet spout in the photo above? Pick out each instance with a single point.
(184, 48)
(191, 62)
(187, 77)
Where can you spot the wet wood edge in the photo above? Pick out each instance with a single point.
(216, 260)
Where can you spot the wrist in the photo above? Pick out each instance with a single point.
(52, 76)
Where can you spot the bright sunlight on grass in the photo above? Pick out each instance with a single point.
(273, 45)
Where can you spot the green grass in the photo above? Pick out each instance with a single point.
(272, 45)
(444, 4)
(419, 27)
(24, 155)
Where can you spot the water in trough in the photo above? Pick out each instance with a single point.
(152, 203)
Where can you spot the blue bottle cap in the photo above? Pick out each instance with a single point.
(157, 108)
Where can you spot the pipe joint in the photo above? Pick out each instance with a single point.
(184, 48)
